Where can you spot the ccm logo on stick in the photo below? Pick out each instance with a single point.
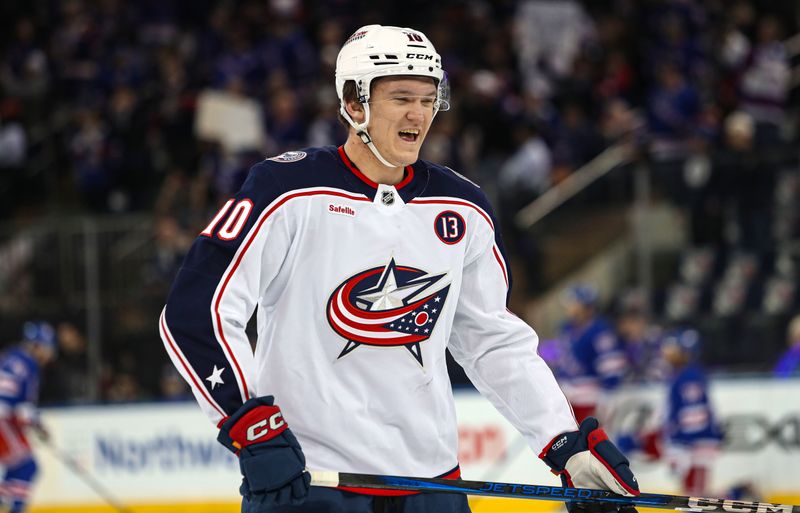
(263, 427)
(701, 504)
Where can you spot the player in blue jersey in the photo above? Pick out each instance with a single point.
(691, 434)
(684, 432)
(593, 361)
(789, 362)
(20, 368)
(363, 264)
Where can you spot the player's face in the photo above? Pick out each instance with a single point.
(43, 354)
(672, 354)
(401, 111)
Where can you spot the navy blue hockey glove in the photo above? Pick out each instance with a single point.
(270, 457)
(588, 459)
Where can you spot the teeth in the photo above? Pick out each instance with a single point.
(413, 132)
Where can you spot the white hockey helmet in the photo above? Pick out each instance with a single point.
(375, 51)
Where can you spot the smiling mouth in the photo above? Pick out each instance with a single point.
(410, 135)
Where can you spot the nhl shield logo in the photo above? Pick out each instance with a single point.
(387, 197)
(387, 306)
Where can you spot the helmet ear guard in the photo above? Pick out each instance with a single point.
(442, 95)
(376, 51)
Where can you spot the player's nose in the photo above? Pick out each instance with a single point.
(416, 112)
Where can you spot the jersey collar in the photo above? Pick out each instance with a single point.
(411, 186)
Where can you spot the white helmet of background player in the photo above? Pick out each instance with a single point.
(375, 51)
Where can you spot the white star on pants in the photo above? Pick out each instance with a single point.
(216, 377)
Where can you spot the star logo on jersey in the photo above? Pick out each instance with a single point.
(388, 306)
(216, 377)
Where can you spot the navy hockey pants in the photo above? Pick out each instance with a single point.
(331, 500)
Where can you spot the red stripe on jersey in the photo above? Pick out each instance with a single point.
(351, 323)
(345, 328)
(502, 264)
(14, 446)
(248, 242)
(409, 172)
(197, 385)
(453, 474)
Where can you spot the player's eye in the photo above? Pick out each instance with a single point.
(428, 101)
(425, 101)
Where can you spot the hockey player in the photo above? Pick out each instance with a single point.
(593, 361)
(641, 340)
(363, 263)
(789, 363)
(19, 389)
(691, 434)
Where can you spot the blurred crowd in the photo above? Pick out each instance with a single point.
(111, 107)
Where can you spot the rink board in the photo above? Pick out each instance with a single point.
(164, 457)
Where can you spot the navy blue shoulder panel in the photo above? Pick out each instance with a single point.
(444, 181)
(309, 167)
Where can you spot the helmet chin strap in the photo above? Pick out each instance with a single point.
(366, 139)
(361, 131)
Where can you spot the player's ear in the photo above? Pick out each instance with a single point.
(356, 110)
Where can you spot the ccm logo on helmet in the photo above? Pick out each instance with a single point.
(419, 56)
(263, 427)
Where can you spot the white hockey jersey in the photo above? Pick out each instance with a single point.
(358, 289)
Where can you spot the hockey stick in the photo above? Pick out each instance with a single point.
(544, 492)
(77, 469)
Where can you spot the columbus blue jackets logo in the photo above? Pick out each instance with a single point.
(289, 156)
(388, 306)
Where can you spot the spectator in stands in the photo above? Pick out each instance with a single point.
(673, 106)
(641, 338)
(13, 156)
(129, 156)
(765, 80)
(748, 177)
(124, 387)
(172, 386)
(522, 179)
(577, 139)
(171, 244)
(593, 362)
(89, 151)
(13, 140)
(789, 362)
(619, 122)
(618, 76)
(68, 380)
(24, 72)
(286, 123)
